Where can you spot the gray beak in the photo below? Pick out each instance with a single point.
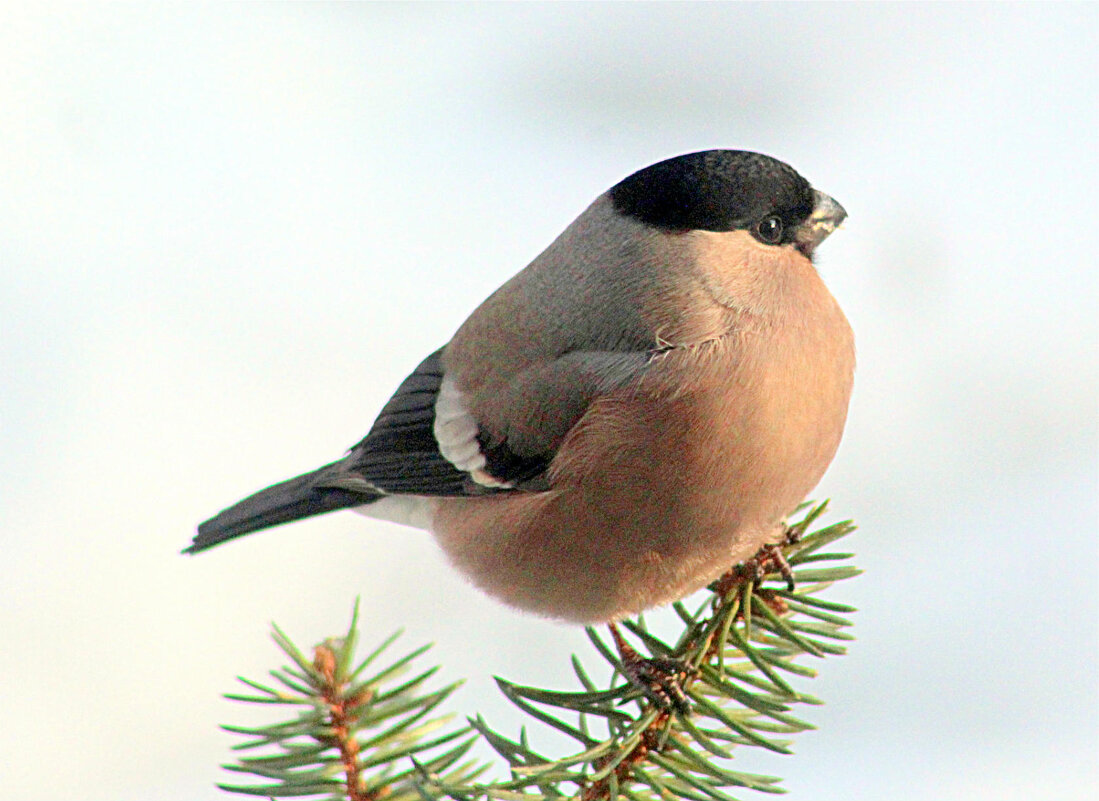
(826, 218)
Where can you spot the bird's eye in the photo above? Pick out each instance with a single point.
(769, 231)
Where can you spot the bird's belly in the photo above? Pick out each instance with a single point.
(656, 492)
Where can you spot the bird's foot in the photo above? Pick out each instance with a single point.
(768, 559)
(661, 679)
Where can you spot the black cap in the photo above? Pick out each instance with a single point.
(715, 190)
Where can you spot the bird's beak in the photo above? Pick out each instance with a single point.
(826, 218)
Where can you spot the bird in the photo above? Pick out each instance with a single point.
(634, 412)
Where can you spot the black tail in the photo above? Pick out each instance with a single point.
(291, 500)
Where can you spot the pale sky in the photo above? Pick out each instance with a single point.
(228, 232)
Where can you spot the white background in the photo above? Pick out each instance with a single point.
(227, 232)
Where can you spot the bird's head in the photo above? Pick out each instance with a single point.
(730, 190)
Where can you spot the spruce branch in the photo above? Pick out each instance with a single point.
(351, 738)
(365, 738)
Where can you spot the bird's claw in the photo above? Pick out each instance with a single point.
(661, 680)
(768, 559)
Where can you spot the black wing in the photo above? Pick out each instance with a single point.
(400, 455)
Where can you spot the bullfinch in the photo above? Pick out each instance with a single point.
(626, 418)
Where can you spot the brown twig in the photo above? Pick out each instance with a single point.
(341, 712)
(647, 744)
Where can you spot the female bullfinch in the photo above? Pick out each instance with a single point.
(630, 415)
